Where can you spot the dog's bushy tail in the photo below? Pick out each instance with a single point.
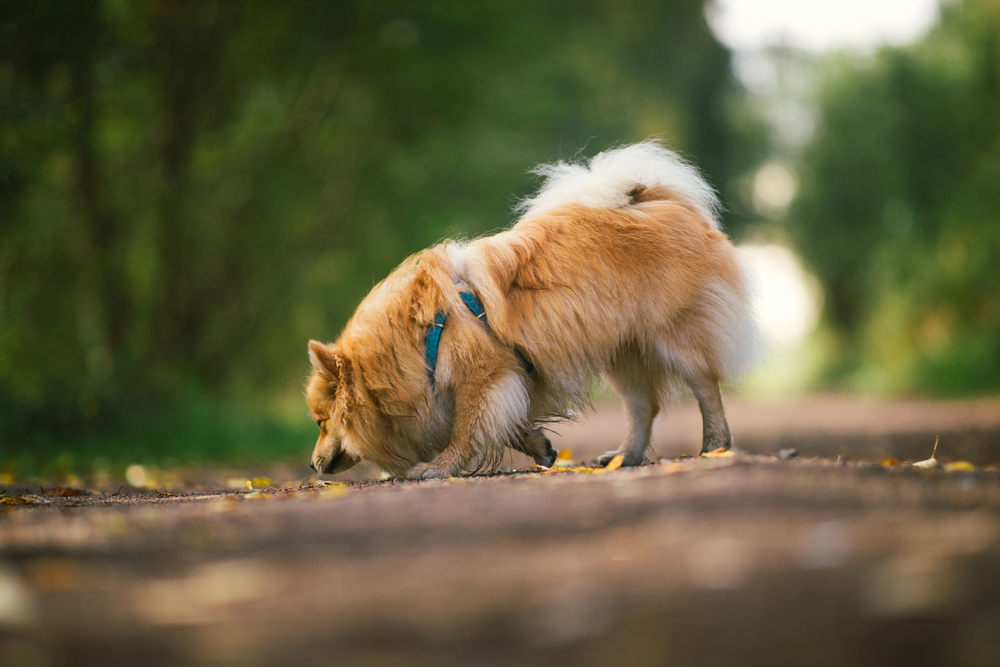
(610, 178)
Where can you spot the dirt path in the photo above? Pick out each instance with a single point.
(713, 561)
(831, 425)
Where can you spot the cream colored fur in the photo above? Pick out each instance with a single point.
(616, 268)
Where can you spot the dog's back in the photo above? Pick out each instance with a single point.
(573, 282)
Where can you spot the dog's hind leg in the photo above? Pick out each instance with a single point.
(715, 428)
(638, 379)
(488, 415)
(537, 446)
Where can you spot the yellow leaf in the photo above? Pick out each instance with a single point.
(334, 490)
(15, 500)
(891, 462)
(959, 466)
(261, 481)
(565, 455)
(581, 469)
(721, 452)
(615, 463)
(6, 478)
(249, 485)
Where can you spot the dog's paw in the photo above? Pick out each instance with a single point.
(630, 461)
(427, 471)
(724, 442)
(605, 458)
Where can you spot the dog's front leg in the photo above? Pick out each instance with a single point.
(486, 415)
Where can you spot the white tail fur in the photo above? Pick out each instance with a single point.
(608, 178)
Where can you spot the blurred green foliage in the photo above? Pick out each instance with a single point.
(899, 213)
(190, 190)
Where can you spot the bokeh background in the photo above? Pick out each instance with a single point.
(190, 190)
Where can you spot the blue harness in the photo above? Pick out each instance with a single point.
(475, 306)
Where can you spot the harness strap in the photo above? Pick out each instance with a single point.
(432, 343)
(475, 306)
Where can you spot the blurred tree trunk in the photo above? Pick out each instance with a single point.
(102, 265)
(189, 58)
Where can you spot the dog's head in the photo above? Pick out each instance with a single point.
(329, 407)
(369, 391)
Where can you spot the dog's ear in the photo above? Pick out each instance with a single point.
(325, 360)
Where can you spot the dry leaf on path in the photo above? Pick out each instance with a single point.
(23, 500)
(335, 490)
(15, 500)
(721, 452)
(930, 463)
(615, 463)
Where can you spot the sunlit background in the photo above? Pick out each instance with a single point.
(189, 191)
(763, 38)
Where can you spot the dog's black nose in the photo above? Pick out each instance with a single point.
(312, 465)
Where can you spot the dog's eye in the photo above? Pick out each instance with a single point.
(320, 422)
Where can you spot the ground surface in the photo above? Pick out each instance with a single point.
(746, 559)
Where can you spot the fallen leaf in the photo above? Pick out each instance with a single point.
(615, 463)
(334, 490)
(891, 462)
(930, 463)
(261, 481)
(959, 466)
(721, 452)
(249, 485)
(564, 455)
(24, 500)
(580, 469)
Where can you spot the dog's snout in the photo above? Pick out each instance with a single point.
(312, 464)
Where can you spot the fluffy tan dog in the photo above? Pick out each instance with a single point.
(615, 268)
